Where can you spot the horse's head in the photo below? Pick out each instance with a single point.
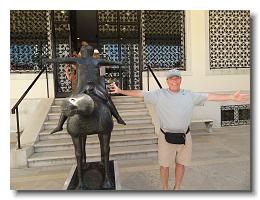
(81, 104)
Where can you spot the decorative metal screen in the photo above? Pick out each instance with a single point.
(29, 34)
(163, 35)
(119, 41)
(37, 34)
(229, 39)
(234, 115)
(61, 33)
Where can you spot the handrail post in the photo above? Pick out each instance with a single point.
(157, 81)
(18, 129)
(47, 82)
(148, 81)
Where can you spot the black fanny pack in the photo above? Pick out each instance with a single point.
(175, 138)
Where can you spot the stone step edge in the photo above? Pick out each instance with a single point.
(116, 104)
(117, 101)
(137, 116)
(55, 121)
(114, 132)
(124, 112)
(90, 136)
(112, 153)
(95, 141)
(117, 98)
(117, 127)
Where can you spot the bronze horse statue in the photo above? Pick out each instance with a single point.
(88, 111)
(87, 116)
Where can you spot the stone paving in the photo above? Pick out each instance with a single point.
(221, 161)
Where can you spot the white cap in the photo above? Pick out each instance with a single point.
(96, 51)
(173, 72)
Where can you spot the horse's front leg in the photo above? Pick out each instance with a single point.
(83, 146)
(105, 150)
(77, 142)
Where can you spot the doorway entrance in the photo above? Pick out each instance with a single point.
(116, 34)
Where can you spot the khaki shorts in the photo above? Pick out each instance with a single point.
(174, 153)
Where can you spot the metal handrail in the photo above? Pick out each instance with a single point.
(157, 81)
(14, 110)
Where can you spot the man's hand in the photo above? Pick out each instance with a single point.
(114, 89)
(237, 96)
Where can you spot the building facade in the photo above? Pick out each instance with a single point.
(211, 48)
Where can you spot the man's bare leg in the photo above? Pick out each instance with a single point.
(179, 173)
(164, 172)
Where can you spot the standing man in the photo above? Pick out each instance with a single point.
(174, 108)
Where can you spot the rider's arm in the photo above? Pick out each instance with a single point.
(103, 62)
(60, 60)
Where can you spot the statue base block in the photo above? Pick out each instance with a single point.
(93, 174)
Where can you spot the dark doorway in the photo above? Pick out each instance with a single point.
(116, 34)
(84, 28)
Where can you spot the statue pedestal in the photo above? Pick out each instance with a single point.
(93, 174)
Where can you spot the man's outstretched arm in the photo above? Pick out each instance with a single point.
(134, 93)
(237, 96)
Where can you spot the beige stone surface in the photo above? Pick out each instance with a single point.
(221, 161)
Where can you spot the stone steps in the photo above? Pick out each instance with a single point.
(116, 153)
(115, 99)
(147, 120)
(93, 142)
(137, 139)
(123, 114)
(120, 107)
(118, 130)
